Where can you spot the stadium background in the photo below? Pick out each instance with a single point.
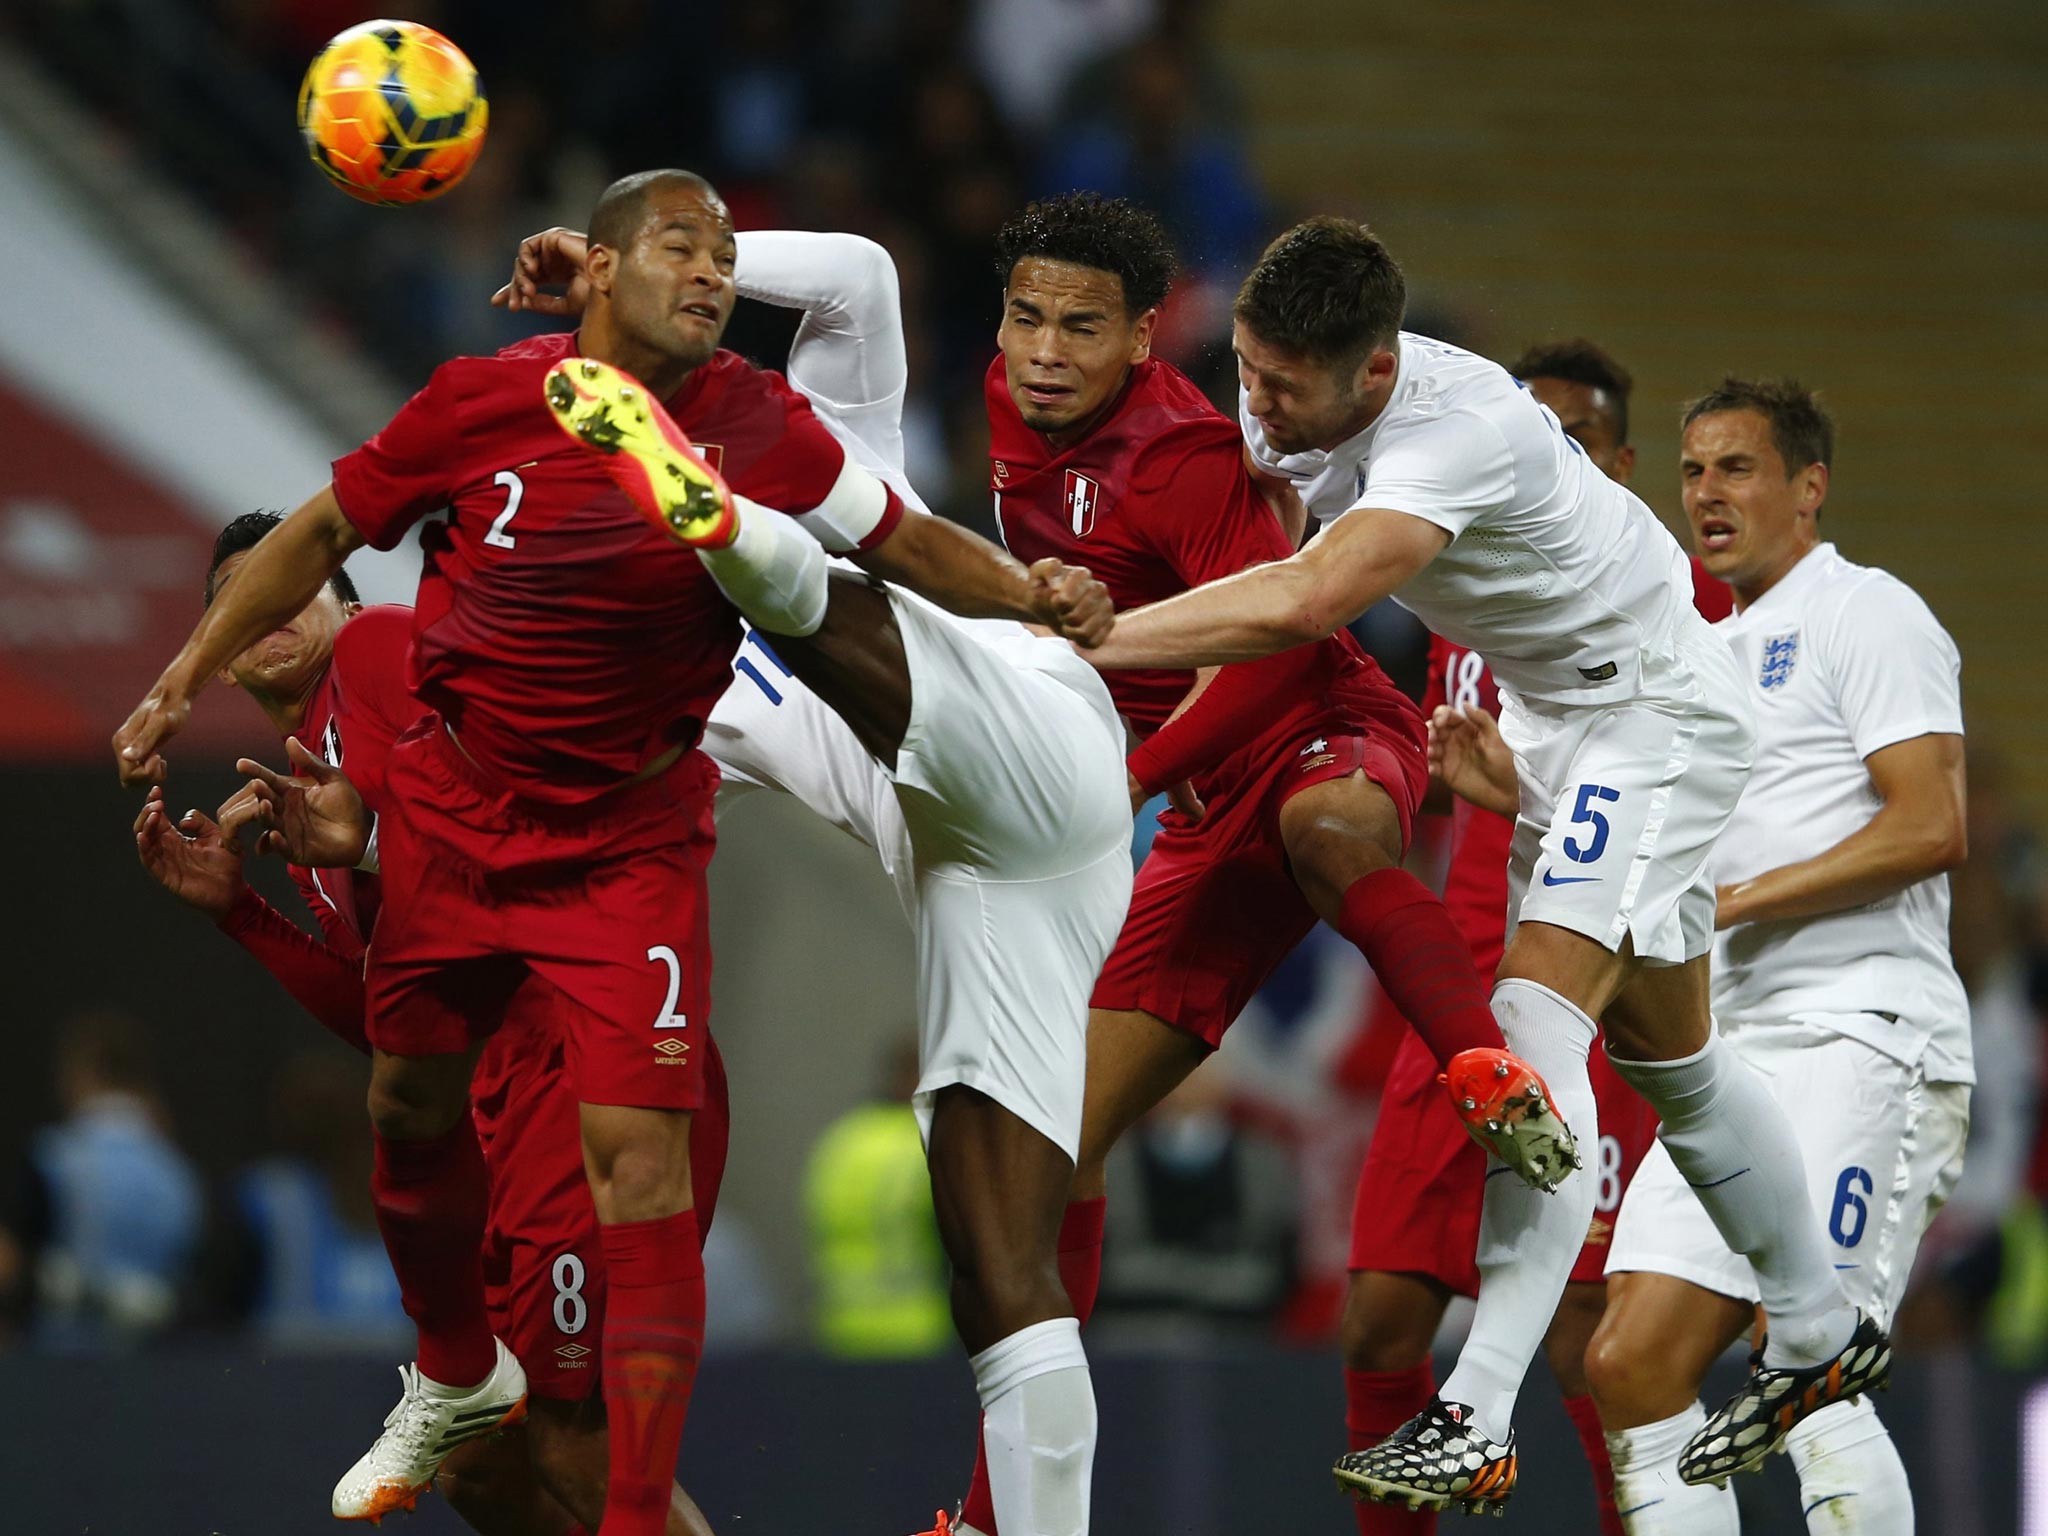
(193, 322)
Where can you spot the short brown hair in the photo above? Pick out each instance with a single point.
(1801, 428)
(1580, 361)
(1327, 289)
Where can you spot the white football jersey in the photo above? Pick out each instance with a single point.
(1558, 576)
(1841, 660)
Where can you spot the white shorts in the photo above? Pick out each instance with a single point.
(1882, 1146)
(1621, 803)
(1012, 784)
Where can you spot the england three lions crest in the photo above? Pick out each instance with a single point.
(1781, 655)
(1080, 496)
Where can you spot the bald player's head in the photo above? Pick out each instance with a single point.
(622, 207)
(660, 268)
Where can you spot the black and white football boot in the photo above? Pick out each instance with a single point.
(1439, 1459)
(1754, 1422)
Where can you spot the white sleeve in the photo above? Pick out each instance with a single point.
(849, 349)
(1448, 470)
(1896, 672)
(848, 358)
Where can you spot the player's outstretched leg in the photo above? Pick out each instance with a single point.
(772, 571)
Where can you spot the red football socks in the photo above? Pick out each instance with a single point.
(1593, 1439)
(1080, 1259)
(653, 1338)
(1422, 962)
(431, 1198)
(1376, 1403)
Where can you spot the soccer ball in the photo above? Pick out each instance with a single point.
(392, 112)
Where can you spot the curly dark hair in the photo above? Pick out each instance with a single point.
(1107, 234)
(244, 534)
(1580, 361)
(1327, 289)
(1800, 425)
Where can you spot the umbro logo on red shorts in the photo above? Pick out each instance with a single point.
(671, 1050)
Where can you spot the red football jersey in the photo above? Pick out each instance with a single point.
(567, 641)
(1155, 500)
(1476, 883)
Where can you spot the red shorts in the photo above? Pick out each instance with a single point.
(485, 893)
(1418, 1194)
(544, 1278)
(1214, 909)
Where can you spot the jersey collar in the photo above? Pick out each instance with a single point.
(1809, 569)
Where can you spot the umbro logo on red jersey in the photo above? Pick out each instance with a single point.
(1080, 496)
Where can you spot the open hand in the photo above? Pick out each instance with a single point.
(551, 259)
(314, 818)
(1072, 602)
(1467, 753)
(195, 861)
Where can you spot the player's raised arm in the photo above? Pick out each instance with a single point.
(1352, 564)
(280, 576)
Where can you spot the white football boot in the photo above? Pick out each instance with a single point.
(427, 1424)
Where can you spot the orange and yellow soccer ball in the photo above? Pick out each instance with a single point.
(392, 112)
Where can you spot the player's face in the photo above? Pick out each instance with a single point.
(1302, 404)
(1068, 344)
(290, 657)
(1751, 519)
(671, 289)
(1588, 417)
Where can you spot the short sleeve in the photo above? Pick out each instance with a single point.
(405, 471)
(1202, 511)
(810, 475)
(1447, 470)
(1896, 672)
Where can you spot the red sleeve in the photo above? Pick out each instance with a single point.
(322, 979)
(1235, 707)
(807, 473)
(1435, 688)
(1202, 510)
(404, 472)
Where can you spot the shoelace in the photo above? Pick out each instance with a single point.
(411, 1423)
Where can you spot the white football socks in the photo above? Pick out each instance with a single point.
(772, 571)
(1038, 1429)
(1851, 1481)
(1648, 1493)
(1732, 1142)
(1528, 1240)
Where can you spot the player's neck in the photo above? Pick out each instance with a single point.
(662, 374)
(1750, 589)
(286, 709)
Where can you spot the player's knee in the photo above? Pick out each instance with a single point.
(1626, 1381)
(639, 1165)
(1328, 855)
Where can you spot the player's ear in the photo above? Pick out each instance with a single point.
(1813, 488)
(1141, 335)
(600, 264)
(1624, 463)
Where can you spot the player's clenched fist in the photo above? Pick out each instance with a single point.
(1072, 602)
(156, 720)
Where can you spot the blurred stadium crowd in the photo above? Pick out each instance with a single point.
(922, 123)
